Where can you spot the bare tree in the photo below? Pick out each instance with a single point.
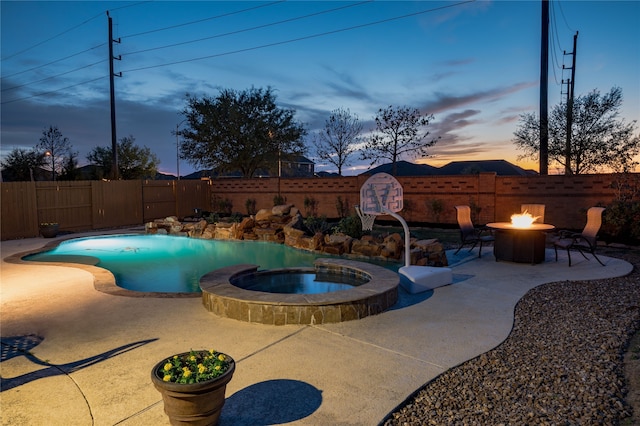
(56, 148)
(599, 140)
(399, 131)
(338, 140)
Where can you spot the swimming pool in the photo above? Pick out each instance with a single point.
(162, 263)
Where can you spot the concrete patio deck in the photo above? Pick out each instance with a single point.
(90, 354)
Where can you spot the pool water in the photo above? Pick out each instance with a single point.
(162, 263)
(297, 282)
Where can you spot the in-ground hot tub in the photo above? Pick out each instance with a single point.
(369, 290)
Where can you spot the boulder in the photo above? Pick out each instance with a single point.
(281, 210)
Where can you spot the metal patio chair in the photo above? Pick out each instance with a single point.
(585, 241)
(469, 234)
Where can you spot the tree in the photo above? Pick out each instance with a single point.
(599, 140)
(399, 131)
(134, 162)
(22, 164)
(56, 147)
(70, 167)
(337, 141)
(240, 130)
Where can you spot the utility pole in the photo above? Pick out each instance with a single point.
(544, 87)
(570, 87)
(115, 174)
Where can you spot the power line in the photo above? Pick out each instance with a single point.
(204, 19)
(54, 61)
(54, 76)
(53, 91)
(303, 38)
(249, 29)
(564, 18)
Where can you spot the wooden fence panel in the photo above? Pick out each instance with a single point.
(19, 210)
(68, 203)
(117, 203)
(192, 194)
(158, 199)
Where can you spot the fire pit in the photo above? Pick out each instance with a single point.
(521, 240)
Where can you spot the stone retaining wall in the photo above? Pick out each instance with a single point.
(284, 225)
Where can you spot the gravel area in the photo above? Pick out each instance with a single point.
(562, 364)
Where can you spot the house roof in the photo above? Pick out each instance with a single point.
(405, 168)
(500, 167)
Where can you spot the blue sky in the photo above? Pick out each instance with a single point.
(474, 65)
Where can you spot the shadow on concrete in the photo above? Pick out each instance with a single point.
(15, 346)
(271, 402)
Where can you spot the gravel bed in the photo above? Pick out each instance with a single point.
(562, 364)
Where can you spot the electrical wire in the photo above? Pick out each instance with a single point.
(52, 91)
(50, 63)
(250, 48)
(249, 29)
(278, 43)
(204, 19)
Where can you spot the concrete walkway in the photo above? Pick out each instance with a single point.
(90, 354)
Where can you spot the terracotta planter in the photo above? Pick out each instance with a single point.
(197, 404)
(49, 231)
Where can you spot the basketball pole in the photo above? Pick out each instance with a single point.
(407, 239)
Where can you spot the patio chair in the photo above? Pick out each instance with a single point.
(585, 241)
(469, 234)
(535, 210)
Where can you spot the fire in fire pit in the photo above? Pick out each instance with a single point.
(523, 220)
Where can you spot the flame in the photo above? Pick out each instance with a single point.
(523, 220)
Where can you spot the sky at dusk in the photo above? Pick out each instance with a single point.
(474, 65)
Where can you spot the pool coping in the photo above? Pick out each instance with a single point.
(103, 280)
(224, 299)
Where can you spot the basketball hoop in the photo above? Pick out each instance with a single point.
(366, 219)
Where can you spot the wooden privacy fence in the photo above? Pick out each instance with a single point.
(89, 205)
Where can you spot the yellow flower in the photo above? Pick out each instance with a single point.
(175, 357)
(167, 367)
(192, 358)
(221, 357)
(212, 351)
(186, 372)
(217, 368)
(201, 368)
(166, 378)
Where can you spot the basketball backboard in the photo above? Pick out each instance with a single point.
(380, 194)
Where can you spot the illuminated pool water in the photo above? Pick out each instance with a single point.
(162, 263)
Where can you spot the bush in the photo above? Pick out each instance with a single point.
(342, 206)
(279, 200)
(250, 205)
(223, 206)
(310, 206)
(316, 224)
(622, 221)
(351, 226)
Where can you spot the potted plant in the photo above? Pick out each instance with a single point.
(49, 229)
(193, 385)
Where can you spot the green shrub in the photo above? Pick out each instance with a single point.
(250, 205)
(310, 206)
(316, 224)
(279, 200)
(342, 206)
(436, 206)
(224, 206)
(351, 226)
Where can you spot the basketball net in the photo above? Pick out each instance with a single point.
(366, 219)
